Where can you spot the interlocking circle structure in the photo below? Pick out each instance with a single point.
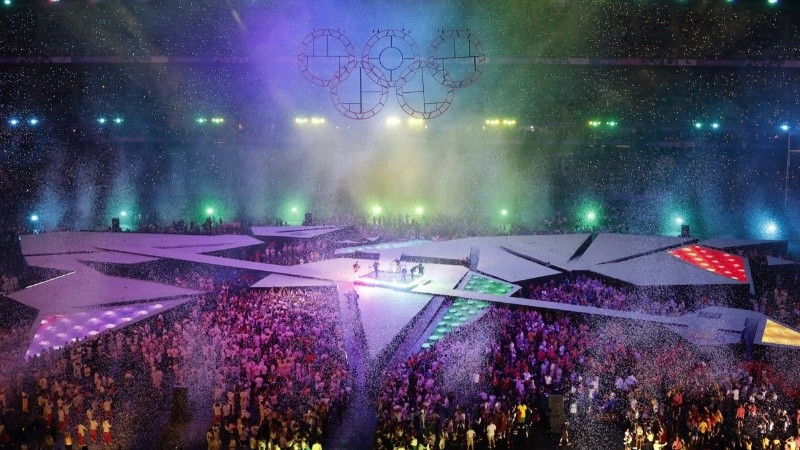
(424, 88)
(324, 54)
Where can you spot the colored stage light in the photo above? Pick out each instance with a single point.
(34, 218)
(492, 121)
(301, 120)
(784, 127)
(393, 121)
(679, 220)
(118, 120)
(772, 2)
(102, 120)
(33, 121)
(294, 209)
(13, 122)
(201, 120)
(413, 121)
(209, 211)
(377, 210)
(419, 210)
(7, 2)
(591, 216)
(509, 122)
(771, 229)
(503, 212)
(611, 123)
(317, 120)
(698, 125)
(715, 125)
(123, 213)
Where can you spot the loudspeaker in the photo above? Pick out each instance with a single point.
(115, 225)
(309, 220)
(180, 404)
(685, 231)
(555, 415)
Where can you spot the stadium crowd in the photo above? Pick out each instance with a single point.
(269, 365)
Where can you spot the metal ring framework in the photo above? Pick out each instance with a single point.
(395, 53)
(358, 109)
(470, 50)
(332, 45)
(392, 51)
(430, 107)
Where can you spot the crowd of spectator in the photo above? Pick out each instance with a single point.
(662, 391)
(487, 384)
(265, 367)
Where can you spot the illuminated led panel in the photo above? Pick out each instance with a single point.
(720, 263)
(775, 333)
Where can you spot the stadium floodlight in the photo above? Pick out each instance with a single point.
(493, 122)
(301, 120)
(317, 121)
(393, 121)
(509, 122)
(771, 228)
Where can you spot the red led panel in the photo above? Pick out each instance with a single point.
(721, 263)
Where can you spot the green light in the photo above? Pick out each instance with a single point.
(101, 120)
(123, 213)
(377, 210)
(201, 120)
(34, 218)
(591, 216)
(698, 125)
(679, 220)
(209, 211)
(611, 123)
(294, 210)
(503, 212)
(419, 210)
(715, 125)
(118, 120)
(7, 2)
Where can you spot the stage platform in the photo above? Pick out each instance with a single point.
(506, 263)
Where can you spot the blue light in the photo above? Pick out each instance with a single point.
(7, 2)
(102, 120)
(771, 229)
(118, 120)
(772, 2)
(13, 122)
(715, 125)
(698, 125)
(34, 218)
(784, 127)
(33, 121)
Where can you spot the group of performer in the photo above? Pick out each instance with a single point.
(395, 267)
